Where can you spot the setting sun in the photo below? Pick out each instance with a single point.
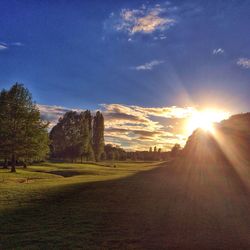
(205, 119)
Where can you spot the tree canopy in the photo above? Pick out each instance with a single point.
(76, 136)
(23, 135)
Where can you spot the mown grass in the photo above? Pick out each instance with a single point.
(177, 205)
(38, 201)
(35, 182)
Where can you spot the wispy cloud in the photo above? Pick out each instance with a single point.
(53, 113)
(146, 19)
(3, 46)
(244, 62)
(218, 51)
(135, 127)
(149, 65)
(17, 44)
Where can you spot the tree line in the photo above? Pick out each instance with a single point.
(78, 136)
(24, 136)
(153, 154)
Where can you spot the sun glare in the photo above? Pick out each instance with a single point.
(205, 120)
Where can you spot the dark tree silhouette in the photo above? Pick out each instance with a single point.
(74, 137)
(98, 135)
(175, 151)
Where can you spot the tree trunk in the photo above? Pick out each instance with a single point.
(5, 165)
(81, 158)
(13, 164)
(24, 165)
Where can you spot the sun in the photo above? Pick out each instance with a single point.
(205, 119)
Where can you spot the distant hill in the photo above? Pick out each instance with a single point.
(230, 142)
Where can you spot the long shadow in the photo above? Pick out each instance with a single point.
(170, 207)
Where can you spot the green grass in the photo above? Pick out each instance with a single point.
(37, 201)
(38, 181)
(176, 205)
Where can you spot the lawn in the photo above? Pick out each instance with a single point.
(175, 205)
(40, 202)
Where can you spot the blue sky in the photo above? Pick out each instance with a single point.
(149, 54)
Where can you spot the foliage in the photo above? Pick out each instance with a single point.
(23, 135)
(115, 153)
(98, 135)
(151, 155)
(230, 142)
(72, 137)
(175, 151)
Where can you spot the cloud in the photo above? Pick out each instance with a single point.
(53, 113)
(148, 66)
(3, 46)
(218, 51)
(244, 62)
(122, 116)
(149, 126)
(17, 44)
(135, 127)
(146, 19)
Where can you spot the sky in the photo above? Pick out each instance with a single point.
(146, 64)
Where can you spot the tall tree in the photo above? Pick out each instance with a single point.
(71, 138)
(98, 135)
(4, 145)
(175, 151)
(22, 132)
(65, 137)
(86, 136)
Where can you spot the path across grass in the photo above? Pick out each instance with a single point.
(137, 206)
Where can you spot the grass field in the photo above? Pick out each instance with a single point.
(175, 205)
(41, 205)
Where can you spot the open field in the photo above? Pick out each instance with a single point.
(41, 198)
(133, 206)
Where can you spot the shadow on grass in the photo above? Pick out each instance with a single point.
(68, 173)
(179, 206)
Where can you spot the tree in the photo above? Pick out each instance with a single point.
(86, 136)
(72, 137)
(98, 135)
(69, 135)
(4, 147)
(175, 150)
(23, 134)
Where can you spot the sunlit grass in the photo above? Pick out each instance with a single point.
(26, 186)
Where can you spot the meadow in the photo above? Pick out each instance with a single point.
(51, 204)
(146, 205)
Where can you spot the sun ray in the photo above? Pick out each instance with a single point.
(205, 120)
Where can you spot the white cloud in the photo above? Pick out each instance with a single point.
(139, 127)
(218, 51)
(135, 127)
(3, 47)
(149, 65)
(53, 113)
(146, 20)
(17, 44)
(244, 62)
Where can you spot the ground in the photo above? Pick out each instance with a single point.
(171, 205)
